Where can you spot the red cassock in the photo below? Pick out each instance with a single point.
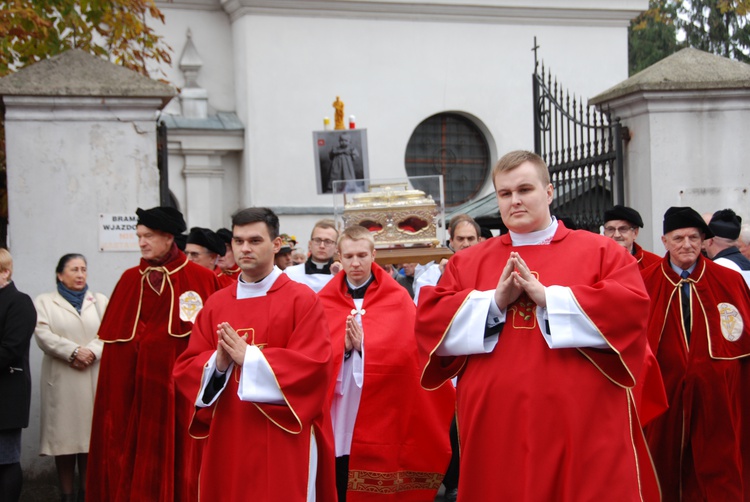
(227, 277)
(696, 444)
(400, 447)
(537, 423)
(259, 451)
(140, 447)
(644, 258)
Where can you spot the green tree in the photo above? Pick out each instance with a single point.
(118, 30)
(652, 35)
(717, 26)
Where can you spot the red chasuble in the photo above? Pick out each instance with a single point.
(140, 448)
(696, 443)
(400, 446)
(537, 423)
(644, 258)
(228, 277)
(257, 451)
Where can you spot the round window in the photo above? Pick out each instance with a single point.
(451, 145)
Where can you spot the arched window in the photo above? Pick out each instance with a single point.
(451, 145)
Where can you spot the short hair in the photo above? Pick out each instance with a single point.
(325, 223)
(357, 233)
(6, 262)
(64, 259)
(256, 215)
(457, 219)
(512, 160)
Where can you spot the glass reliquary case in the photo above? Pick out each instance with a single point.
(400, 213)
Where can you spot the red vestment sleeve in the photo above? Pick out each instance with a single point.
(300, 357)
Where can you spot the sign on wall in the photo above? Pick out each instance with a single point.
(117, 232)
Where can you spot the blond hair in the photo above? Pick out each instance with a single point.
(357, 233)
(6, 262)
(512, 160)
(326, 223)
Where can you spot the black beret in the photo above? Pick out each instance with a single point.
(180, 240)
(166, 219)
(485, 233)
(225, 234)
(685, 217)
(624, 213)
(208, 239)
(725, 223)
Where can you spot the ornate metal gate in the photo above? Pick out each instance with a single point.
(583, 150)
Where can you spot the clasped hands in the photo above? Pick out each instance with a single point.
(515, 280)
(353, 338)
(84, 358)
(231, 347)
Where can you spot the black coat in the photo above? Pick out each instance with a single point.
(17, 323)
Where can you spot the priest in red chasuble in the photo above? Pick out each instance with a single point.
(545, 329)
(700, 334)
(140, 447)
(257, 371)
(391, 435)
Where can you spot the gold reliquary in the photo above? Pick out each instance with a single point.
(399, 214)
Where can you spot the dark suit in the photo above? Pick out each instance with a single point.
(17, 323)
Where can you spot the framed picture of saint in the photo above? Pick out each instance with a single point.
(341, 155)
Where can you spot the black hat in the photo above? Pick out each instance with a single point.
(623, 213)
(208, 239)
(180, 240)
(485, 233)
(225, 234)
(685, 217)
(283, 250)
(725, 223)
(166, 219)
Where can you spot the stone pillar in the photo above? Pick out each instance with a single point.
(687, 116)
(80, 141)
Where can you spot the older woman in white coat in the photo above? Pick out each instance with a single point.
(67, 322)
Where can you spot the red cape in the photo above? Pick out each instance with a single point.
(228, 277)
(696, 443)
(644, 258)
(537, 423)
(140, 448)
(260, 451)
(400, 447)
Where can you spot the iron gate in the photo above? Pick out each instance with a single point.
(583, 150)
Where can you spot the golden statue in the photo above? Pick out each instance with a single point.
(339, 116)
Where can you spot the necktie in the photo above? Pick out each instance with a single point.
(685, 297)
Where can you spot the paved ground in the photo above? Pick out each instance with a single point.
(45, 490)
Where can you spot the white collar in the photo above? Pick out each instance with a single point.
(535, 238)
(353, 287)
(247, 290)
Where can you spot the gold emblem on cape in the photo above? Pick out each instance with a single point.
(523, 313)
(190, 304)
(731, 321)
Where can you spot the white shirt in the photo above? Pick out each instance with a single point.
(316, 282)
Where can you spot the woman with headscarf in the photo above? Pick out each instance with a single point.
(17, 320)
(68, 320)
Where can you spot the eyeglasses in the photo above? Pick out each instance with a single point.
(620, 230)
(326, 242)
